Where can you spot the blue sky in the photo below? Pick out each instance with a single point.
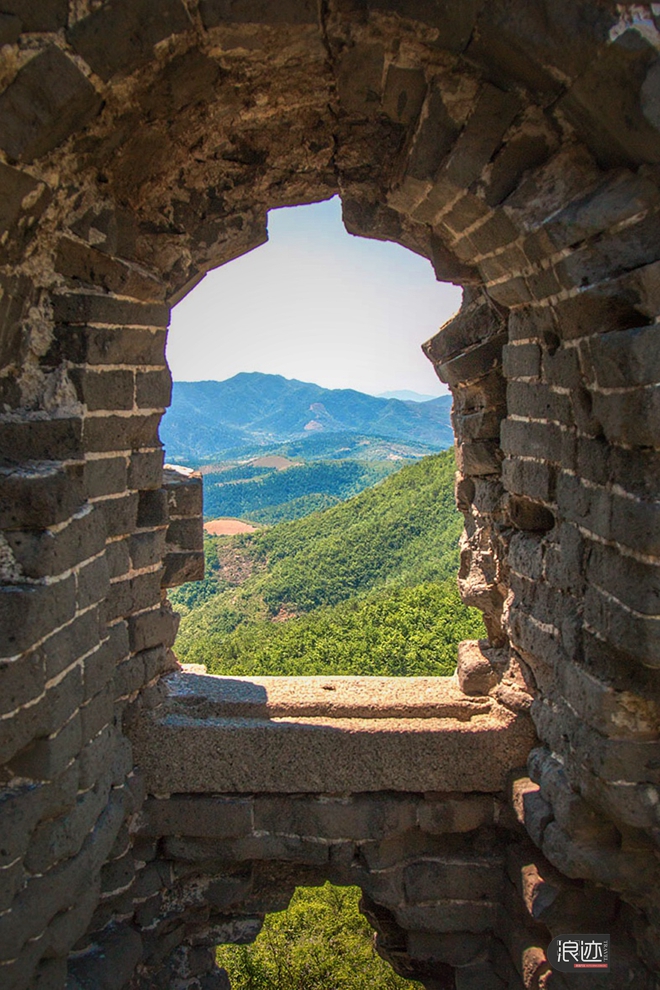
(316, 304)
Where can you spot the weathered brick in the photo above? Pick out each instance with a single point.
(482, 134)
(105, 476)
(48, 757)
(132, 594)
(74, 640)
(100, 665)
(153, 389)
(30, 612)
(41, 439)
(482, 457)
(352, 818)
(532, 439)
(360, 78)
(38, 15)
(48, 100)
(93, 582)
(476, 362)
(62, 837)
(120, 36)
(120, 513)
(104, 389)
(96, 713)
(638, 635)
(145, 469)
(448, 915)
(521, 360)
(147, 547)
(455, 814)
(110, 433)
(213, 818)
(153, 508)
(530, 515)
(18, 212)
(80, 308)
(87, 264)
(185, 534)
(105, 345)
(433, 139)
(468, 878)
(36, 495)
(48, 552)
(179, 568)
(535, 478)
(153, 628)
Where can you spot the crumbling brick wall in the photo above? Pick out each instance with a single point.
(513, 144)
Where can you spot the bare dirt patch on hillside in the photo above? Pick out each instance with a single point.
(228, 527)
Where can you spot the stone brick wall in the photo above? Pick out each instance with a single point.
(516, 146)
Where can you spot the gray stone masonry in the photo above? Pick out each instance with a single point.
(515, 145)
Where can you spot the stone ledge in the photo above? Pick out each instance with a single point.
(326, 734)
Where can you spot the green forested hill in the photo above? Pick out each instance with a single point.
(367, 586)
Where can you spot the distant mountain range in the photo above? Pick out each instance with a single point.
(406, 395)
(253, 412)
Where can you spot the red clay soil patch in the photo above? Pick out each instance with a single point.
(228, 527)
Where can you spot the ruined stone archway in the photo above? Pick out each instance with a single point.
(514, 145)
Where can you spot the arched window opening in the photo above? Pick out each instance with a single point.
(299, 382)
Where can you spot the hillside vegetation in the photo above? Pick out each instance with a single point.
(273, 495)
(367, 586)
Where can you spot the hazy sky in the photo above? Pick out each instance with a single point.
(316, 304)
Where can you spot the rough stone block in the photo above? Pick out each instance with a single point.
(48, 100)
(433, 140)
(478, 669)
(87, 264)
(360, 79)
(29, 612)
(448, 814)
(103, 345)
(104, 389)
(153, 627)
(404, 94)
(184, 491)
(153, 389)
(179, 568)
(482, 135)
(110, 433)
(442, 879)
(48, 757)
(197, 816)
(341, 818)
(480, 458)
(79, 309)
(120, 513)
(153, 508)
(185, 534)
(18, 212)
(445, 915)
(38, 15)
(47, 552)
(38, 439)
(474, 363)
(218, 12)
(120, 36)
(145, 469)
